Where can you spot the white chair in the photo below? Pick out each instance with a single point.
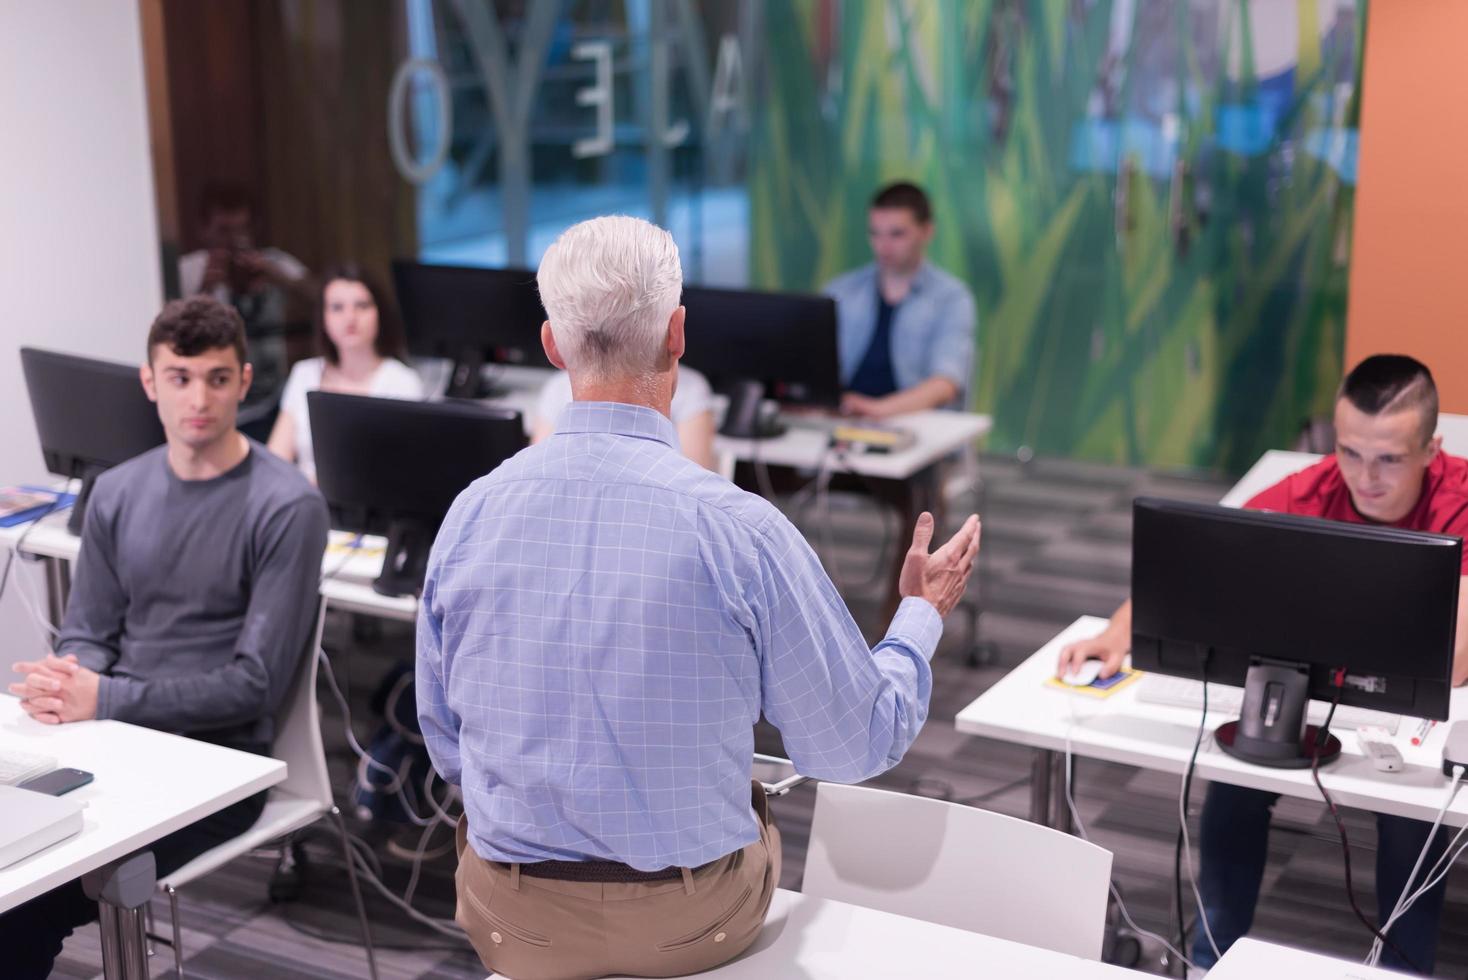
(727, 461)
(958, 866)
(1454, 430)
(302, 798)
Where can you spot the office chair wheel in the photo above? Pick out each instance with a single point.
(289, 876)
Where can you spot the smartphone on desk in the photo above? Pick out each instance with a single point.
(57, 782)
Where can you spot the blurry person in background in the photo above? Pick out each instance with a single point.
(359, 339)
(907, 328)
(269, 287)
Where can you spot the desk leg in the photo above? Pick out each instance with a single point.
(1048, 804)
(58, 588)
(1040, 780)
(122, 891)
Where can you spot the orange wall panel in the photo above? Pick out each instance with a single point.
(1409, 261)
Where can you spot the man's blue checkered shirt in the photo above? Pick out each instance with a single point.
(602, 623)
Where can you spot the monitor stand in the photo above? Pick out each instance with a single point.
(83, 495)
(744, 418)
(405, 560)
(1271, 729)
(467, 378)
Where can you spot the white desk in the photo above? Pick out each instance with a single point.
(50, 541)
(1250, 959)
(821, 939)
(938, 434)
(1022, 710)
(148, 784)
(1122, 729)
(359, 597)
(348, 585)
(137, 797)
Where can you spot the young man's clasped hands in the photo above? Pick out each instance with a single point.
(56, 689)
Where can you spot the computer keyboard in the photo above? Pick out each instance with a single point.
(814, 421)
(1180, 692)
(16, 767)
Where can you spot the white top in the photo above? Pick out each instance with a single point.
(393, 379)
(823, 939)
(136, 797)
(693, 395)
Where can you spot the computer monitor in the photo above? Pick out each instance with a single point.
(1280, 604)
(394, 467)
(784, 341)
(471, 316)
(90, 415)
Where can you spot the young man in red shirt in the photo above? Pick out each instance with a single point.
(1388, 469)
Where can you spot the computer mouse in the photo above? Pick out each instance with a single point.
(1084, 673)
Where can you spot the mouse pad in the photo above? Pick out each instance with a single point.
(1099, 688)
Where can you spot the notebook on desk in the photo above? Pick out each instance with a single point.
(31, 822)
(874, 437)
(21, 504)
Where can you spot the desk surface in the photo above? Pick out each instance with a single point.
(48, 539)
(358, 597)
(148, 784)
(1020, 708)
(938, 433)
(821, 939)
(1250, 959)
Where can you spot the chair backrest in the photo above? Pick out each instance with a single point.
(298, 730)
(959, 866)
(726, 460)
(1454, 430)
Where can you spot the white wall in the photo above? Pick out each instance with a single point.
(79, 264)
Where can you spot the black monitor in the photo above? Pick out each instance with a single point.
(471, 316)
(1280, 604)
(90, 416)
(784, 341)
(394, 467)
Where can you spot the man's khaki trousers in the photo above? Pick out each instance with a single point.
(529, 928)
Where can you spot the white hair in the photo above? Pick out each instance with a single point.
(610, 286)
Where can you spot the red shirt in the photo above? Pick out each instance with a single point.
(1321, 491)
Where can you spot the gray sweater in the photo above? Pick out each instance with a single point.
(195, 599)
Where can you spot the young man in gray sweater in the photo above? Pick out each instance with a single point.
(193, 598)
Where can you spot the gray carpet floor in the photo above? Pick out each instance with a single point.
(1056, 546)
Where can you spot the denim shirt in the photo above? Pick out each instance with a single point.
(933, 328)
(603, 622)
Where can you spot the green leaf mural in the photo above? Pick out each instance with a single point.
(1150, 200)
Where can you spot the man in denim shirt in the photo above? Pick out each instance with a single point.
(906, 326)
(603, 622)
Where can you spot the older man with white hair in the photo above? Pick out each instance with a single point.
(603, 622)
